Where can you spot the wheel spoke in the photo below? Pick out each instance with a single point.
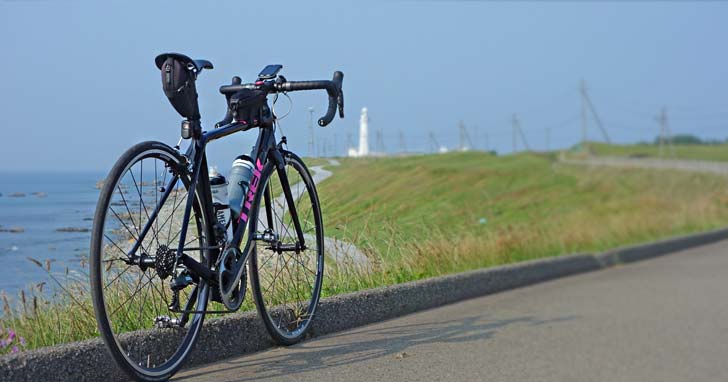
(124, 224)
(117, 276)
(114, 244)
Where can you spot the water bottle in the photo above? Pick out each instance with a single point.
(239, 178)
(219, 189)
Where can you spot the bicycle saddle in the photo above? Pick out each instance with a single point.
(197, 64)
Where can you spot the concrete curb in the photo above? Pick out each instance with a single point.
(657, 248)
(238, 334)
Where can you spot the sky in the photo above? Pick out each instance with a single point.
(79, 85)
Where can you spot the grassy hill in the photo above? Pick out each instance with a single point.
(426, 215)
(698, 152)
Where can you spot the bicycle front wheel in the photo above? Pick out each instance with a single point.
(138, 314)
(286, 274)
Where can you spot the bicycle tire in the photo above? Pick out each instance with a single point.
(272, 308)
(112, 329)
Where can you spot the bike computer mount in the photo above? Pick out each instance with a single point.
(269, 72)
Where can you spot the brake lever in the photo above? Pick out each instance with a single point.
(340, 103)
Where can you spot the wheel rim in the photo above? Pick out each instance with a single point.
(134, 297)
(289, 283)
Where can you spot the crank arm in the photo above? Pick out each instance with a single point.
(236, 269)
(197, 269)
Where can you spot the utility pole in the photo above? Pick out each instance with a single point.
(311, 147)
(665, 133)
(402, 145)
(476, 135)
(487, 144)
(661, 121)
(518, 132)
(464, 137)
(586, 103)
(548, 139)
(380, 141)
(434, 145)
(461, 130)
(582, 91)
(514, 125)
(523, 137)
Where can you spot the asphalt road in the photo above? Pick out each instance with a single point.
(714, 167)
(664, 319)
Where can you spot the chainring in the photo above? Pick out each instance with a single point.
(235, 296)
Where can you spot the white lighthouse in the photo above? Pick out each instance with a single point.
(364, 133)
(363, 136)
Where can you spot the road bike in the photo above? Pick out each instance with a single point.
(162, 253)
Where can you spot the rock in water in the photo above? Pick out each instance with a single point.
(72, 229)
(40, 194)
(12, 230)
(16, 195)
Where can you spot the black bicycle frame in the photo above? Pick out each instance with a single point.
(265, 149)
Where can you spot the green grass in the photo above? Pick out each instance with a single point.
(696, 152)
(315, 161)
(422, 216)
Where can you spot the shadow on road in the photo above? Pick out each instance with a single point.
(360, 345)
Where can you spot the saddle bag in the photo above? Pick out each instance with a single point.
(248, 106)
(178, 83)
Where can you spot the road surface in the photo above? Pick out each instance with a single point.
(664, 319)
(713, 167)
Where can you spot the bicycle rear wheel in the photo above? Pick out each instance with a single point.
(286, 283)
(135, 306)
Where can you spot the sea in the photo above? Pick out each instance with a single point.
(41, 208)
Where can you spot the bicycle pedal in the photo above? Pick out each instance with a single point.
(163, 322)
